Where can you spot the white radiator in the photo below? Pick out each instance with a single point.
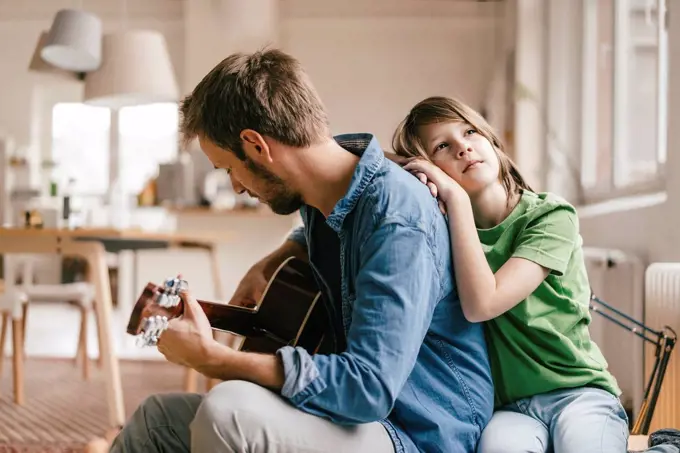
(617, 278)
(662, 308)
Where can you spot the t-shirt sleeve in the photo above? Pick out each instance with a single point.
(549, 240)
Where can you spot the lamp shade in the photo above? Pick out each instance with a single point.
(40, 66)
(136, 69)
(74, 41)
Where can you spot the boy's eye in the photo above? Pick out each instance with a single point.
(441, 146)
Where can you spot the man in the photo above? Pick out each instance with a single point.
(407, 373)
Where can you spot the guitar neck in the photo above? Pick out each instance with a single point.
(231, 318)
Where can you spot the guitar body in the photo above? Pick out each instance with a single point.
(290, 312)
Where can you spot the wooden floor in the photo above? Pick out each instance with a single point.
(62, 411)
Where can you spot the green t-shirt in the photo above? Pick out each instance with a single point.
(543, 343)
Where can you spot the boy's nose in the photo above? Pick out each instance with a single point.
(463, 149)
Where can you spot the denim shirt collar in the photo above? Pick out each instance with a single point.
(372, 157)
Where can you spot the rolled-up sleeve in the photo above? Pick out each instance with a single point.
(397, 288)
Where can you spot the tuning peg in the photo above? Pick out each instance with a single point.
(174, 285)
(162, 300)
(173, 300)
(152, 330)
(167, 300)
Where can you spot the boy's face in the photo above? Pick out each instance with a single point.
(462, 152)
(253, 178)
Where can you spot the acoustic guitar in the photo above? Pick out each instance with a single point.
(290, 312)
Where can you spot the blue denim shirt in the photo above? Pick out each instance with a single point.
(407, 356)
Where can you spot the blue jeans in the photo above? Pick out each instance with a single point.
(564, 421)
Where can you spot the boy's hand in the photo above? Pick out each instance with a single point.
(441, 185)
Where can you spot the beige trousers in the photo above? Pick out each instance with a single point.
(238, 416)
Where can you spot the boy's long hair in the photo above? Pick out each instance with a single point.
(406, 143)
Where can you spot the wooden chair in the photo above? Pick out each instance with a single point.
(26, 241)
(79, 293)
(12, 303)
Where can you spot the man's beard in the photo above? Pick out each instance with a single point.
(280, 199)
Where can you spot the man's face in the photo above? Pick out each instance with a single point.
(253, 178)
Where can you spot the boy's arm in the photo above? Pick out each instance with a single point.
(483, 295)
(544, 247)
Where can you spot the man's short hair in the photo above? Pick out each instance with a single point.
(267, 91)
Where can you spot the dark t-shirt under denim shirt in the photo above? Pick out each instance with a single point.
(406, 356)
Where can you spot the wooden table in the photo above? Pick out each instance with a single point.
(91, 245)
(206, 240)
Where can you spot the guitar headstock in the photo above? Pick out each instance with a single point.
(154, 308)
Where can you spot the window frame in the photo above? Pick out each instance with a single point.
(119, 142)
(619, 107)
(62, 169)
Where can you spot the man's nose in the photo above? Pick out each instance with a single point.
(237, 186)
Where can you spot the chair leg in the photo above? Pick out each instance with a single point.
(190, 380)
(82, 343)
(24, 317)
(18, 354)
(3, 335)
(99, 336)
(76, 358)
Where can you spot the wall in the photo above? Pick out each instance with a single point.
(529, 86)
(214, 29)
(371, 61)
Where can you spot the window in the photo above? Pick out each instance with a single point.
(80, 147)
(625, 96)
(81, 142)
(148, 137)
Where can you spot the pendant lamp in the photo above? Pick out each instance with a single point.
(74, 41)
(136, 69)
(39, 66)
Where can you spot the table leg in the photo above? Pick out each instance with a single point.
(114, 389)
(191, 381)
(126, 280)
